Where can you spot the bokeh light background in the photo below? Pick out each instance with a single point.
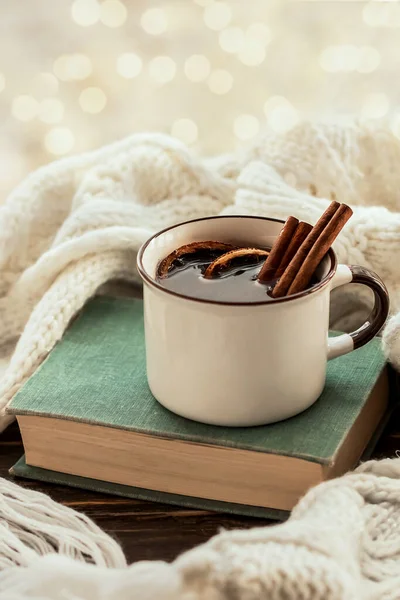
(75, 74)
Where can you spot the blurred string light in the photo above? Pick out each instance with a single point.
(185, 130)
(249, 45)
(162, 69)
(369, 59)
(259, 32)
(347, 58)
(339, 58)
(129, 65)
(375, 106)
(281, 115)
(59, 140)
(217, 15)
(252, 54)
(85, 12)
(220, 81)
(92, 100)
(24, 108)
(275, 102)
(70, 67)
(154, 21)
(231, 39)
(382, 14)
(246, 127)
(197, 67)
(51, 110)
(113, 13)
(242, 34)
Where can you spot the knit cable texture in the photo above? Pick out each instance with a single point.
(342, 542)
(76, 224)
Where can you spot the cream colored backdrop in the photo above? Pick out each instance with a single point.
(77, 74)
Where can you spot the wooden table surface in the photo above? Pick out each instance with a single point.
(146, 530)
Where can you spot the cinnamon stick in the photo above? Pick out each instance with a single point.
(320, 248)
(283, 285)
(300, 234)
(268, 270)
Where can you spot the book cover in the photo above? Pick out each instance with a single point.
(97, 374)
(21, 469)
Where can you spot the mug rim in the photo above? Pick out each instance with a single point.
(271, 301)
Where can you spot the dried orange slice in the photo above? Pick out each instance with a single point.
(224, 261)
(214, 248)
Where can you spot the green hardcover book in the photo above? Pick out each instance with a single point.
(88, 419)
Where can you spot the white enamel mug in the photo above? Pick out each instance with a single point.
(242, 364)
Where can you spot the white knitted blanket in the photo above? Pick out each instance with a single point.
(76, 224)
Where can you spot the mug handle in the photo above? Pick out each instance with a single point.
(347, 342)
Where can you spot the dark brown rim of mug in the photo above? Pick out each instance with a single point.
(270, 300)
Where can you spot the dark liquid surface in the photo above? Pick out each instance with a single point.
(236, 284)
